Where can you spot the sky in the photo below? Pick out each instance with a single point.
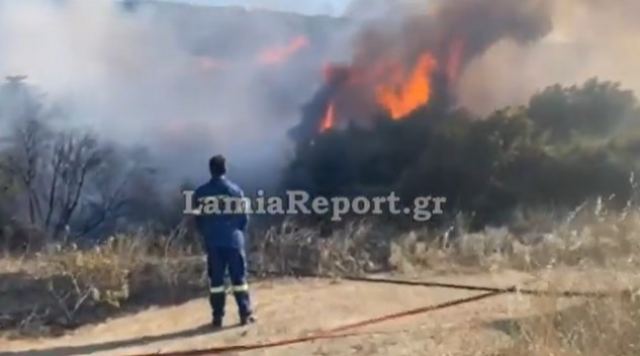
(308, 7)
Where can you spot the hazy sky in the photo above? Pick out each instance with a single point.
(312, 7)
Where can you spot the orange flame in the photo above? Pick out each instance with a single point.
(329, 119)
(407, 94)
(277, 55)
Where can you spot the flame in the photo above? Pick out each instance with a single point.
(281, 54)
(405, 95)
(454, 61)
(329, 119)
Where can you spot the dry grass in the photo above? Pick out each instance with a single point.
(593, 327)
(63, 287)
(593, 241)
(589, 237)
(290, 249)
(70, 286)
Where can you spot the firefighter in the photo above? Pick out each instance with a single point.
(223, 232)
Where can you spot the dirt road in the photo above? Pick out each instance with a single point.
(292, 308)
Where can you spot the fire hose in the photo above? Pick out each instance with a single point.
(345, 330)
(334, 333)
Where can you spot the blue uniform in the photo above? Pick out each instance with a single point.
(221, 229)
(223, 233)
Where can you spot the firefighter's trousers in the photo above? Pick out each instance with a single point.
(219, 260)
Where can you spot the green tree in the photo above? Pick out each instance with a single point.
(594, 109)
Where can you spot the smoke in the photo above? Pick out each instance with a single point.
(406, 29)
(407, 56)
(185, 82)
(512, 49)
(313, 7)
(490, 54)
(188, 82)
(487, 54)
(590, 38)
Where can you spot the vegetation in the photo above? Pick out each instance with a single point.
(64, 183)
(558, 176)
(568, 145)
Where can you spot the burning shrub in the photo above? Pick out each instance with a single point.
(387, 120)
(485, 167)
(407, 61)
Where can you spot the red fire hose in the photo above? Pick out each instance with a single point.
(338, 332)
(342, 331)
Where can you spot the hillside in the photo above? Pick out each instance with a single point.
(235, 31)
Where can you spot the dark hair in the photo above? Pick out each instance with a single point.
(217, 166)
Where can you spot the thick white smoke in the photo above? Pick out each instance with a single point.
(590, 38)
(152, 77)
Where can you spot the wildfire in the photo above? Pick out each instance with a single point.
(387, 84)
(403, 95)
(329, 119)
(277, 55)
